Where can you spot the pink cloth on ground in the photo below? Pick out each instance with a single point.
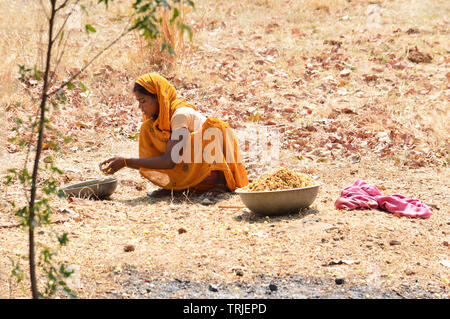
(362, 195)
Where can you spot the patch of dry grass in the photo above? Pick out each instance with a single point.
(171, 36)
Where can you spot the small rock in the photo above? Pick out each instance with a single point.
(345, 73)
(128, 248)
(419, 57)
(356, 159)
(182, 230)
(312, 219)
(273, 287)
(238, 272)
(412, 31)
(289, 110)
(206, 201)
(311, 128)
(434, 206)
(333, 42)
(394, 242)
(339, 281)
(213, 288)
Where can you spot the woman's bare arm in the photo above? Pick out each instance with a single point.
(165, 161)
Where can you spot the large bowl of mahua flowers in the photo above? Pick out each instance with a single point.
(283, 191)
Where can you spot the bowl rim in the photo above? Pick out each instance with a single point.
(99, 181)
(278, 191)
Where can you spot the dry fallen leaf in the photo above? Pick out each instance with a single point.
(369, 78)
(340, 262)
(419, 57)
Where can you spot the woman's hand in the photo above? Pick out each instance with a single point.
(115, 164)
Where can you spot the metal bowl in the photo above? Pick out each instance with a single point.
(279, 202)
(96, 188)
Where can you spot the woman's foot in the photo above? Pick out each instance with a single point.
(220, 188)
(161, 192)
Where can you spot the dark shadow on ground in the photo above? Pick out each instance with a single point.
(135, 283)
(248, 216)
(209, 198)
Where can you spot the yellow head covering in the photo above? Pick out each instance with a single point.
(154, 135)
(167, 100)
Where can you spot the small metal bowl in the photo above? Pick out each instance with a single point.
(96, 188)
(280, 202)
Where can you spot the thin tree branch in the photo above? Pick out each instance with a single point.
(58, 60)
(125, 32)
(62, 26)
(62, 5)
(41, 55)
(31, 212)
(64, 23)
(27, 157)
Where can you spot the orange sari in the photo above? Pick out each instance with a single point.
(189, 173)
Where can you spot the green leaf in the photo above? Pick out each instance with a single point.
(176, 13)
(90, 28)
(171, 51)
(8, 180)
(70, 85)
(105, 2)
(351, 67)
(132, 137)
(57, 170)
(16, 271)
(183, 27)
(164, 4)
(67, 139)
(61, 96)
(37, 74)
(169, 48)
(63, 240)
(190, 3)
(23, 73)
(82, 86)
(61, 194)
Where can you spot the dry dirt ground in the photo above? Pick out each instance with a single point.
(348, 88)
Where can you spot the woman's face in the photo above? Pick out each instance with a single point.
(147, 104)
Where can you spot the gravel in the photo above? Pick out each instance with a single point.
(135, 285)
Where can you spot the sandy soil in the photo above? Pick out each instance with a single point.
(338, 81)
(226, 245)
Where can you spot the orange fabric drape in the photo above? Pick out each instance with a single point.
(154, 135)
